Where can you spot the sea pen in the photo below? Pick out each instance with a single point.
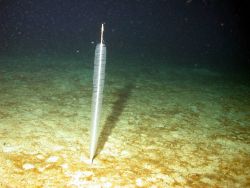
(98, 84)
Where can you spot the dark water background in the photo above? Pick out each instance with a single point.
(201, 33)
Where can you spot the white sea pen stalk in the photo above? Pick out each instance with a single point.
(98, 84)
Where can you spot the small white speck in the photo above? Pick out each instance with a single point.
(139, 182)
(28, 166)
(107, 184)
(57, 148)
(9, 149)
(124, 153)
(39, 156)
(65, 166)
(52, 159)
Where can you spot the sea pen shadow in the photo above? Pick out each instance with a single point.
(110, 123)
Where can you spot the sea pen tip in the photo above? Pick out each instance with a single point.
(102, 30)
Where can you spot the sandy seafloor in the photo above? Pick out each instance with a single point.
(162, 125)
